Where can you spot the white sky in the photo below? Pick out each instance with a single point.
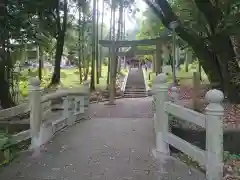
(130, 21)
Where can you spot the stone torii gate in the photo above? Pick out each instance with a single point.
(133, 51)
(114, 45)
(157, 52)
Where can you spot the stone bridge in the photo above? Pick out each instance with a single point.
(100, 142)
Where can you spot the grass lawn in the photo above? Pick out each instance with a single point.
(185, 78)
(69, 78)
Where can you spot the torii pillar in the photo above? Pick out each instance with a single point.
(154, 62)
(111, 87)
(159, 59)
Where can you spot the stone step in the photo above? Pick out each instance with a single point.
(134, 95)
(134, 86)
(135, 92)
(134, 89)
(138, 92)
(139, 83)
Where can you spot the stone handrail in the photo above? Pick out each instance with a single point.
(211, 120)
(123, 86)
(19, 110)
(6, 114)
(145, 79)
(62, 93)
(42, 126)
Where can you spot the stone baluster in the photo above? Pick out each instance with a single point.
(86, 98)
(71, 109)
(79, 104)
(161, 96)
(154, 105)
(67, 113)
(35, 111)
(214, 134)
(175, 95)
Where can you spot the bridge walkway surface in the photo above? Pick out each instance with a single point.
(116, 143)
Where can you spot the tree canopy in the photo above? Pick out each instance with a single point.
(209, 27)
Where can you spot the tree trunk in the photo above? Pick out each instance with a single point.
(101, 48)
(60, 43)
(58, 56)
(188, 59)
(113, 58)
(200, 70)
(97, 46)
(109, 58)
(236, 44)
(108, 74)
(186, 67)
(5, 62)
(5, 95)
(119, 36)
(229, 67)
(218, 57)
(116, 63)
(80, 47)
(86, 68)
(207, 58)
(92, 84)
(40, 62)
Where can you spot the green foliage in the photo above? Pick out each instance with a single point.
(6, 146)
(151, 26)
(227, 156)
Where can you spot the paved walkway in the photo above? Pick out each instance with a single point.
(103, 148)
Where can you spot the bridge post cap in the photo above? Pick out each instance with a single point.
(34, 81)
(86, 82)
(214, 96)
(174, 89)
(161, 78)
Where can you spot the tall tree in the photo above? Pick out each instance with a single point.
(5, 63)
(61, 26)
(93, 66)
(80, 40)
(101, 36)
(97, 45)
(210, 39)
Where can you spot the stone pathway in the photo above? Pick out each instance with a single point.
(103, 148)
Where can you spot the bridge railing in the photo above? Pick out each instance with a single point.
(44, 122)
(124, 82)
(145, 75)
(212, 120)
